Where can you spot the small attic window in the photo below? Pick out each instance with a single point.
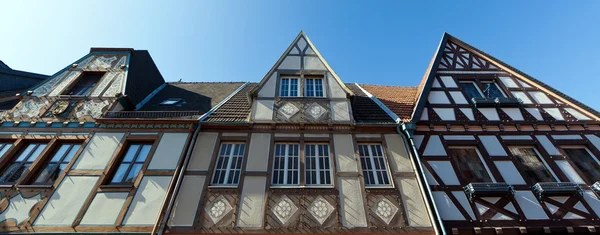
(171, 101)
(85, 83)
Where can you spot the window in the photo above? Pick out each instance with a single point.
(471, 89)
(171, 101)
(584, 160)
(531, 165)
(313, 87)
(57, 164)
(374, 166)
(289, 87)
(229, 164)
(4, 147)
(24, 159)
(492, 90)
(318, 167)
(286, 164)
(132, 163)
(85, 84)
(470, 165)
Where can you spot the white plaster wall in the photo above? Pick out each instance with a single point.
(508, 82)
(592, 200)
(104, 209)
(448, 81)
(290, 62)
(548, 146)
(514, 113)
(203, 150)
(540, 97)
(569, 171)
(577, 114)
(269, 87)
(509, 172)
(567, 137)
(65, 203)
(187, 201)
(418, 140)
(263, 110)
(438, 97)
(424, 115)
(458, 97)
(252, 202)
(468, 112)
(340, 111)
(446, 114)
(436, 84)
(344, 153)
(19, 207)
(490, 113)
(523, 84)
(335, 89)
(148, 201)
(313, 63)
(530, 205)
(594, 140)
(434, 147)
(430, 179)
(399, 158)
(516, 137)
(351, 202)
(258, 153)
(459, 137)
(521, 95)
(446, 207)
(555, 113)
(416, 211)
(445, 171)
(168, 152)
(462, 199)
(535, 112)
(98, 151)
(492, 145)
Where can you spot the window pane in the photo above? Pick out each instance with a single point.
(284, 87)
(294, 87)
(530, 164)
(60, 153)
(36, 153)
(131, 151)
(45, 172)
(585, 162)
(309, 87)
(372, 161)
(469, 165)
(4, 148)
(319, 87)
(471, 89)
(229, 164)
(120, 173)
(72, 153)
(10, 170)
(141, 158)
(85, 84)
(133, 173)
(25, 152)
(492, 90)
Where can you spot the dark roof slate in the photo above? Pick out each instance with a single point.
(400, 100)
(236, 109)
(143, 77)
(365, 110)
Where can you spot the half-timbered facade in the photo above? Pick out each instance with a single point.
(299, 152)
(502, 151)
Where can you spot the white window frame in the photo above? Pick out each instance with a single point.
(286, 171)
(228, 170)
(497, 86)
(314, 87)
(318, 168)
(372, 160)
(289, 91)
(539, 157)
(487, 169)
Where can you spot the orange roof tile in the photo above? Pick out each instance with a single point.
(400, 100)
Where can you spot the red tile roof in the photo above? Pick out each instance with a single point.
(400, 100)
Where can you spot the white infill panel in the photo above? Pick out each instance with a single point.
(555, 113)
(459, 137)
(344, 153)
(567, 137)
(448, 210)
(514, 113)
(340, 111)
(313, 63)
(98, 152)
(188, 198)
(445, 171)
(290, 62)
(458, 97)
(516, 137)
(577, 114)
(438, 97)
(530, 205)
(522, 96)
(424, 115)
(105, 208)
(334, 87)
(429, 177)
(540, 97)
(413, 202)
(548, 146)
(468, 112)
(19, 207)
(203, 151)
(399, 158)
(569, 171)
(489, 113)
(436, 84)
(434, 147)
(418, 139)
(446, 114)
(252, 202)
(268, 89)
(263, 110)
(592, 200)
(147, 201)
(523, 84)
(258, 154)
(535, 112)
(351, 202)
(492, 145)
(594, 139)
(65, 203)
(462, 199)
(509, 172)
(448, 81)
(509, 82)
(168, 152)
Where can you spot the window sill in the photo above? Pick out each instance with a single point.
(222, 186)
(109, 186)
(302, 187)
(380, 187)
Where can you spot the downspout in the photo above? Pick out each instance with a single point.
(407, 130)
(178, 182)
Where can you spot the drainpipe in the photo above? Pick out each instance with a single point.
(407, 130)
(186, 160)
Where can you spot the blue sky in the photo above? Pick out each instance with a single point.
(375, 42)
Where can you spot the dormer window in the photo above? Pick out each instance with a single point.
(171, 101)
(85, 84)
(492, 90)
(289, 87)
(471, 89)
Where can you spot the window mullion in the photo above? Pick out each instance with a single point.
(317, 165)
(285, 163)
(371, 158)
(228, 166)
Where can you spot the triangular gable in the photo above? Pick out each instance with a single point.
(301, 55)
(455, 55)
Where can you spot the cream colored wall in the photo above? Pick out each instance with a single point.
(168, 152)
(351, 202)
(252, 202)
(344, 153)
(414, 204)
(258, 154)
(105, 208)
(148, 201)
(203, 150)
(187, 201)
(98, 151)
(399, 158)
(263, 110)
(269, 87)
(340, 110)
(290, 62)
(66, 202)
